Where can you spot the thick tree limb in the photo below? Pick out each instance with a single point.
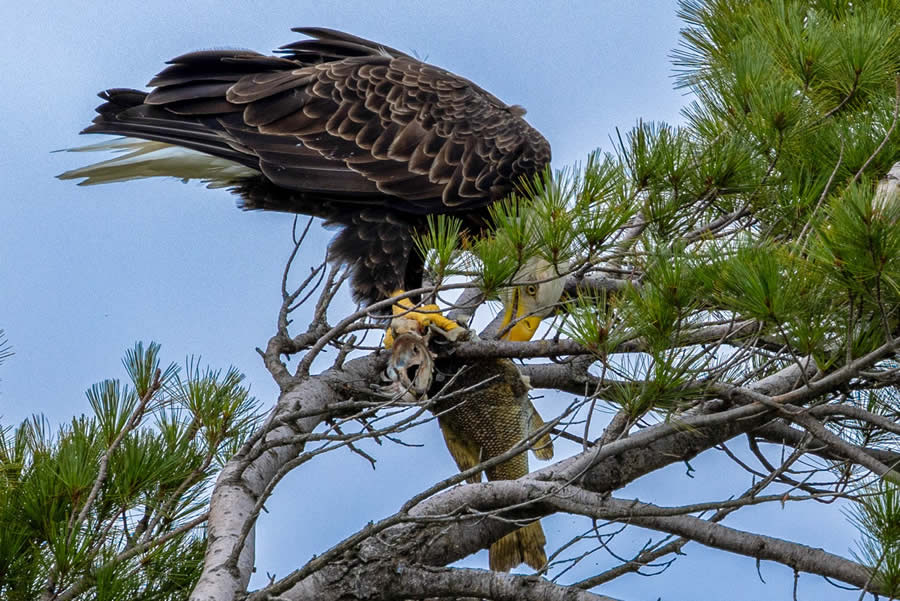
(571, 376)
(420, 582)
(479, 349)
(437, 535)
(555, 497)
(594, 285)
(799, 557)
(241, 481)
(409, 581)
(857, 413)
(450, 538)
(648, 556)
(855, 454)
(778, 432)
(412, 542)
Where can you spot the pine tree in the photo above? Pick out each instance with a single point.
(736, 275)
(112, 505)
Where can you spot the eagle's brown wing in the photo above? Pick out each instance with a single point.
(339, 127)
(340, 115)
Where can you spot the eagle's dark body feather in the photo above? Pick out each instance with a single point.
(343, 128)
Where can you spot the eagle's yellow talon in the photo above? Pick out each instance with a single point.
(408, 317)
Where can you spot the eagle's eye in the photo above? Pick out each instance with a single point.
(531, 290)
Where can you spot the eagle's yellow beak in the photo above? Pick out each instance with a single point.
(539, 287)
(525, 327)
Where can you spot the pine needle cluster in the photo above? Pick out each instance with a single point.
(768, 206)
(112, 504)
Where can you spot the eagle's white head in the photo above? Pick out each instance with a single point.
(538, 287)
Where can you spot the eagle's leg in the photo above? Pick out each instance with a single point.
(411, 318)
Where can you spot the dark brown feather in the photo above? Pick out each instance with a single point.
(356, 122)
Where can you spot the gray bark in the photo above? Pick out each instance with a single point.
(408, 555)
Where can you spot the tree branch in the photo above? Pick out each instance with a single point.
(420, 582)
(241, 481)
(799, 557)
(778, 432)
(438, 535)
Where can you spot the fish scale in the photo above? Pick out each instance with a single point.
(484, 423)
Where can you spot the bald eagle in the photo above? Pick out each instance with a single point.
(338, 127)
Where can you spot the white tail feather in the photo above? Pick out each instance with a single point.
(144, 158)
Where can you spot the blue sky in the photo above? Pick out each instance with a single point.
(87, 271)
